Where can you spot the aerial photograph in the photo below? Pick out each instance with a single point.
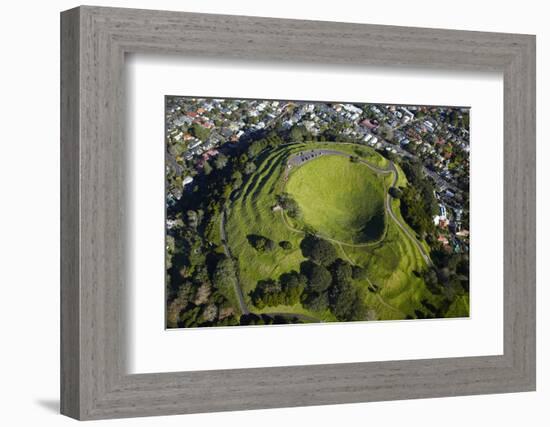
(294, 212)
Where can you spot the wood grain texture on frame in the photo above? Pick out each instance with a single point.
(94, 270)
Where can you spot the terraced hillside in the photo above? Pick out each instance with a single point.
(345, 201)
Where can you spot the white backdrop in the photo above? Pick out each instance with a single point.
(150, 78)
(29, 215)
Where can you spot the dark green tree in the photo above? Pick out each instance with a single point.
(220, 161)
(207, 168)
(319, 278)
(297, 134)
(249, 168)
(199, 132)
(237, 180)
(341, 271)
(267, 293)
(318, 250)
(315, 302)
(359, 273)
(286, 245)
(261, 243)
(289, 205)
(293, 285)
(224, 276)
(395, 192)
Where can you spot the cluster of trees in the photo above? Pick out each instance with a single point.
(200, 282)
(269, 319)
(285, 291)
(217, 163)
(249, 168)
(324, 282)
(415, 212)
(457, 118)
(261, 243)
(451, 268)
(289, 205)
(200, 298)
(199, 132)
(344, 298)
(271, 140)
(386, 132)
(333, 133)
(298, 133)
(224, 276)
(319, 280)
(449, 277)
(318, 250)
(418, 203)
(332, 287)
(462, 174)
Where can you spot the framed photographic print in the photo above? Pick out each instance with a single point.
(283, 212)
(299, 212)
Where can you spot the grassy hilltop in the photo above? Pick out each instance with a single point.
(341, 201)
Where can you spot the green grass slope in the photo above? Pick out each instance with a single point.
(392, 264)
(339, 199)
(251, 214)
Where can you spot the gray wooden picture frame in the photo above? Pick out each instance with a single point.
(94, 382)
